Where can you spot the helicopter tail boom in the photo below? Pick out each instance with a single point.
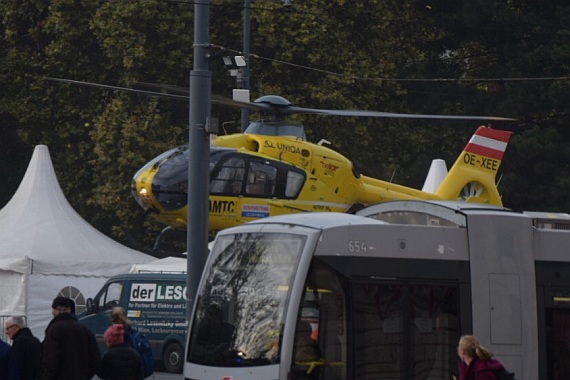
(471, 179)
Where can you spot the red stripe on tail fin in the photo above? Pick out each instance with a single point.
(489, 142)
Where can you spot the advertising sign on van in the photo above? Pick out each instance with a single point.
(156, 300)
(148, 292)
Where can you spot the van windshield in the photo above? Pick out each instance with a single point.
(241, 307)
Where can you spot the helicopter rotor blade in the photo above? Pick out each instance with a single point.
(357, 113)
(259, 107)
(217, 99)
(166, 91)
(273, 104)
(117, 88)
(269, 104)
(163, 88)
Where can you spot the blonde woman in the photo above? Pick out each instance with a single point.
(119, 317)
(476, 361)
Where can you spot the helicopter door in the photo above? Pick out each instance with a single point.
(226, 188)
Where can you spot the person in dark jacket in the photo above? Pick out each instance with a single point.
(120, 361)
(476, 361)
(8, 362)
(26, 346)
(69, 350)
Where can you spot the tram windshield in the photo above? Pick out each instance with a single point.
(240, 310)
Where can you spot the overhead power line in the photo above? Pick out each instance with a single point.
(361, 78)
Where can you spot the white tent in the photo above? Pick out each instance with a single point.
(47, 249)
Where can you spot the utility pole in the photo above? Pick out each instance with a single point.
(246, 71)
(199, 156)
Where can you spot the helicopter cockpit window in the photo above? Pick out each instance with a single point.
(261, 180)
(294, 182)
(230, 177)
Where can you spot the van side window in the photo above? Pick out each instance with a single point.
(111, 297)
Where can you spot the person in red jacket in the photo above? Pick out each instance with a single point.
(476, 361)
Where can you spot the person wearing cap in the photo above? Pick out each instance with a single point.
(26, 346)
(120, 361)
(69, 349)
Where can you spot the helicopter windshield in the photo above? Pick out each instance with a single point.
(277, 128)
(241, 308)
(156, 161)
(170, 183)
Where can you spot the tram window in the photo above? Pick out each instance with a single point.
(411, 217)
(435, 330)
(320, 348)
(378, 331)
(404, 331)
(249, 285)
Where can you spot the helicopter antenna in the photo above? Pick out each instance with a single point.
(393, 175)
(227, 123)
(323, 141)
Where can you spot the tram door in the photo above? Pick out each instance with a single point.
(553, 298)
(558, 339)
(404, 330)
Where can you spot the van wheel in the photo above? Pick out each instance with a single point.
(173, 358)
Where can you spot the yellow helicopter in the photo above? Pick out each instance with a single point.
(271, 169)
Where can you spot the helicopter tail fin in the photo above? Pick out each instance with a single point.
(472, 177)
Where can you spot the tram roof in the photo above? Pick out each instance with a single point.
(318, 220)
(416, 212)
(426, 212)
(425, 205)
(455, 213)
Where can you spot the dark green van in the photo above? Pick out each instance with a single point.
(156, 306)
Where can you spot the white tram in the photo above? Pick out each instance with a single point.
(385, 294)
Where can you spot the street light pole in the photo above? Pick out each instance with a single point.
(246, 72)
(199, 154)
